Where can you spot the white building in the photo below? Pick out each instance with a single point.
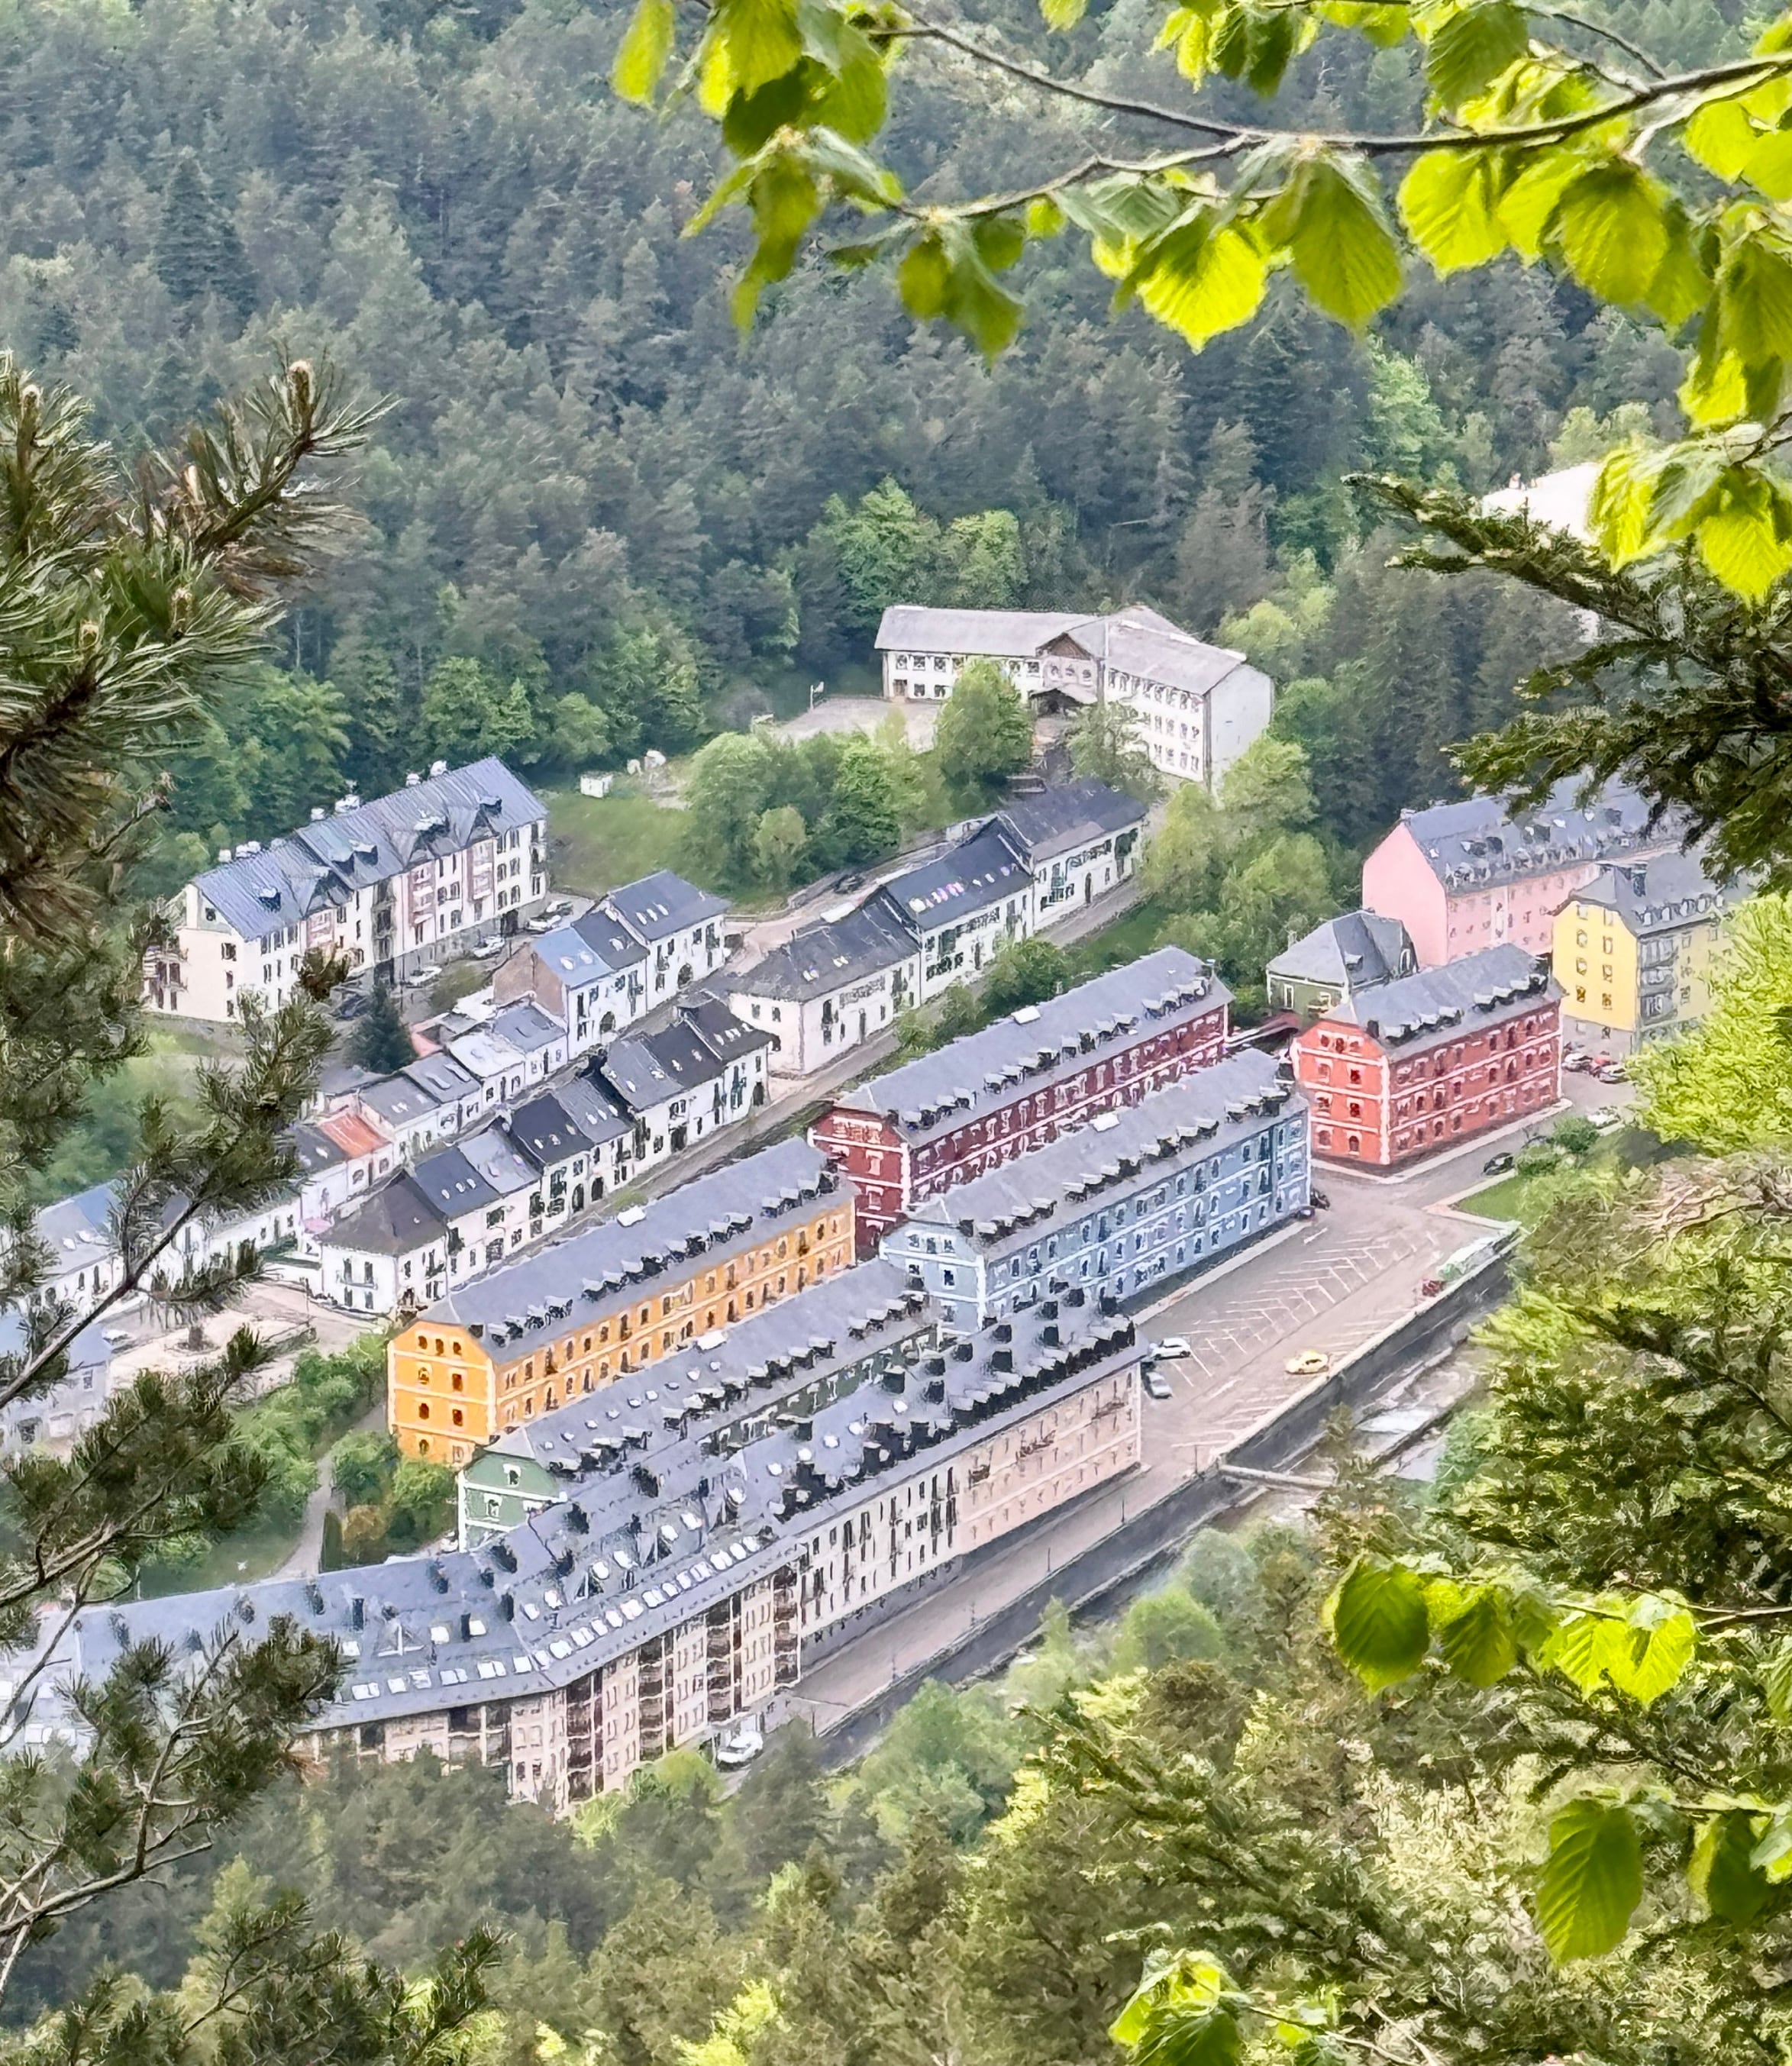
(1081, 840)
(407, 880)
(678, 925)
(830, 989)
(1198, 706)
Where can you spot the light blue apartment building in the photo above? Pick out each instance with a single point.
(1139, 1197)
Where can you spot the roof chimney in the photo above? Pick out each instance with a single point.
(410, 781)
(437, 767)
(317, 813)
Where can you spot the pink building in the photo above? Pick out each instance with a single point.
(1462, 877)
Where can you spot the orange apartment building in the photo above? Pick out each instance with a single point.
(604, 1303)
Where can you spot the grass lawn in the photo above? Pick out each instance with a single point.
(455, 983)
(1124, 941)
(1525, 1197)
(596, 842)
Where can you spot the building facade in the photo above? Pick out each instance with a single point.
(606, 1301)
(409, 879)
(830, 989)
(1116, 1209)
(668, 1605)
(1198, 707)
(1463, 876)
(1413, 1067)
(1354, 951)
(950, 1116)
(1634, 950)
(1080, 841)
(961, 908)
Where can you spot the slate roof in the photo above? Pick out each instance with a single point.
(828, 957)
(90, 1350)
(594, 1114)
(503, 1167)
(662, 904)
(1069, 815)
(484, 1053)
(1481, 839)
(726, 1037)
(1441, 1004)
(315, 1149)
(323, 863)
(1352, 951)
(1139, 641)
(598, 933)
(983, 1070)
(791, 1345)
(590, 1579)
(78, 1229)
(981, 870)
(397, 1219)
(600, 1265)
(1003, 634)
(442, 1077)
(1657, 894)
(544, 1131)
(399, 1100)
(566, 953)
(645, 1069)
(1198, 1115)
(452, 1184)
(526, 1026)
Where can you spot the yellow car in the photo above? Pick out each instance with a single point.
(1310, 1362)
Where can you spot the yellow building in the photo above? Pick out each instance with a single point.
(1633, 952)
(601, 1305)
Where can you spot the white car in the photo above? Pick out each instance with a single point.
(1155, 1386)
(482, 950)
(562, 908)
(542, 922)
(740, 1749)
(1170, 1348)
(428, 973)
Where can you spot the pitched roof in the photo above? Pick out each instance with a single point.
(352, 1134)
(1481, 839)
(323, 863)
(566, 953)
(645, 1069)
(828, 957)
(545, 1131)
(1441, 1004)
(1655, 894)
(598, 933)
(397, 1219)
(726, 1037)
(1139, 641)
(503, 1167)
(600, 1266)
(452, 1184)
(1351, 951)
(399, 1099)
(984, 1069)
(442, 1077)
(1193, 1116)
(526, 1026)
(983, 868)
(1000, 634)
(594, 1114)
(662, 904)
(1070, 814)
(315, 1148)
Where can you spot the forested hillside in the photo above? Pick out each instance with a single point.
(598, 520)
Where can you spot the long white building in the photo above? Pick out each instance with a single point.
(1198, 706)
(392, 885)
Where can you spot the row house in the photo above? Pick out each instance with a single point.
(602, 1302)
(947, 1117)
(962, 907)
(1414, 1066)
(56, 1416)
(407, 880)
(1197, 707)
(1465, 876)
(680, 927)
(1079, 840)
(705, 1070)
(1354, 951)
(671, 1598)
(1138, 1197)
(777, 1367)
(830, 989)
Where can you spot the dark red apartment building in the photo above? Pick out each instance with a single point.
(1410, 1067)
(948, 1116)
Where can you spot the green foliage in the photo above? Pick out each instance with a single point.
(984, 734)
(380, 1040)
(362, 1465)
(1105, 747)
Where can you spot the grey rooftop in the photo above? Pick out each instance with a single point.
(1444, 1003)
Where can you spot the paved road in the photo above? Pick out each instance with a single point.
(1332, 1284)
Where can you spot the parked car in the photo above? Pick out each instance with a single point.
(1170, 1348)
(542, 922)
(117, 1338)
(1576, 1060)
(1610, 1072)
(740, 1748)
(1156, 1386)
(1497, 1165)
(425, 972)
(560, 908)
(482, 950)
(1310, 1362)
(352, 1006)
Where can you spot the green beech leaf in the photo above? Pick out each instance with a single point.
(945, 274)
(1450, 202)
(1344, 253)
(1478, 1642)
(1000, 239)
(1181, 1979)
(1591, 1882)
(760, 39)
(1772, 1856)
(1722, 1872)
(924, 279)
(1754, 292)
(1619, 510)
(1746, 541)
(1062, 14)
(1770, 165)
(1186, 2037)
(1527, 206)
(1681, 285)
(1378, 1621)
(1721, 137)
(1613, 231)
(646, 45)
(1776, 1681)
(1648, 1659)
(1044, 217)
(1199, 279)
(1470, 50)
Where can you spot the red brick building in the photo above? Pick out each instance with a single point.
(950, 1116)
(1408, 1068)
